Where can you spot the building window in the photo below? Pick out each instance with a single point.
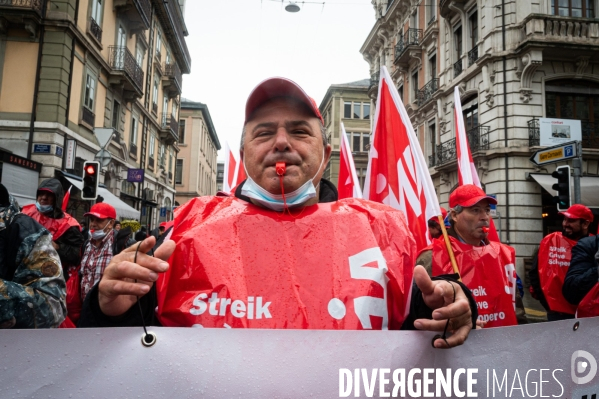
(155, 96)
(432, 134)
(179, 172)
(470, 112)
(97, 11)
(414, 85)
(165, 105)
(116, 111)
(366, 111)
(431, 10)
(161, 156)
(182, 131)
(457, 40)
(90, 91)
(432, 66)
(358, 142)
(573, 8)
(158, 44)
(347, 110)
(400, 90)
(573, 100)
(473, 29)
(152, 145)
(357, 110)
(139, 55)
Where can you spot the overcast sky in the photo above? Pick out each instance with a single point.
(235, 44)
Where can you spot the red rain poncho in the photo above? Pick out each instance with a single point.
(339, 265)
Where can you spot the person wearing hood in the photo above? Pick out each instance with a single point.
(67, 239)
(32, 286)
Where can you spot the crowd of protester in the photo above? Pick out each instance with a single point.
(55, 271)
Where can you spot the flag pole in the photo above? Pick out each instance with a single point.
(454, 264)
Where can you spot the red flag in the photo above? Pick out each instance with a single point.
(234, 172)
(348, 184)
(397, 172)
(65, 200)
(466, 170)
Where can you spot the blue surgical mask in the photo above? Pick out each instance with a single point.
(43, 208)
(275, 201)
(100, 234)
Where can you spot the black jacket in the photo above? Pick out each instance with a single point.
(71, 241)
(582, 274)
(92, 316)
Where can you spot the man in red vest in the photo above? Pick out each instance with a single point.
(281, 251)
(551, 264)
(486, 267)
(67, 239)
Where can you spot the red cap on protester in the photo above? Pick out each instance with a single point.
(443, 213)
(278, 87)
(102, 210)
(578, 211)
(469, 195)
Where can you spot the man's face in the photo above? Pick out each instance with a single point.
(117, 227)
(99, 224)
(45, 198)
(574, 229)
(435, 231)
(283, 130)
(470, 222)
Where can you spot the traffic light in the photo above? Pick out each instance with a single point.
(91, 179)
(562, 174)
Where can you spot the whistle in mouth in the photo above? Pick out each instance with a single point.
(485, 229)
(280, 168)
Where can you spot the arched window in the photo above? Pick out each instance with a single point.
(127, 188)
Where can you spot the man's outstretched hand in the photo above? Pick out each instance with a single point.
(123, 280)
(438, 295)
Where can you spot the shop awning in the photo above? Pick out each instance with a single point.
(589, 188)
(123, 211)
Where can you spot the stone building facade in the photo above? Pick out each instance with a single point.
(70, 68)
(349, 104)
(196, 162)
(514, 62)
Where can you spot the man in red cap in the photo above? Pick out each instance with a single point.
(100, 248)
(553, 261)
(486, 267)
(282, 252)
(434, 228)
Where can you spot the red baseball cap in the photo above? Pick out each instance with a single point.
(578, 211)
(469, 195)
(279, 87)
(443, 212)
(102, 210)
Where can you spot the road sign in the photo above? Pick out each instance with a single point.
(555, 154)
(103, 135)
(103, 157)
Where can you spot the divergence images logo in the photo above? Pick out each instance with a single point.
(583, 362)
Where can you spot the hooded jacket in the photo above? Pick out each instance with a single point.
(65, 230)
(32, 287)
(92, 316)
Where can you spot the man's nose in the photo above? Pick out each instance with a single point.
(281, 140)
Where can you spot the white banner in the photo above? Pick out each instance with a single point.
(558, 131)
(540, 360)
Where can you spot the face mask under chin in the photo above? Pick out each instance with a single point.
(303, 194)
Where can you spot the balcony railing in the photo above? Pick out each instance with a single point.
(534, 133)
(35, 5)
(411, 37)
(174, 78)
(426, 93)
(121, 59)
(549, 30)
(169, 128)
(472, 55)
(88, 117)
(374, 80)
(94, 29)
(457, 68)
(478, 140)
(590, 134)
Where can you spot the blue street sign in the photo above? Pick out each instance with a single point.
(59, 151)
(163, 212)
(569, 151)
(42, 148)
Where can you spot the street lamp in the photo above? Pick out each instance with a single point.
(292, 7)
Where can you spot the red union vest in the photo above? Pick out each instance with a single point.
(589, 306)
(554, 257)
(488, 272)
(56, 227)
(341, 265)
